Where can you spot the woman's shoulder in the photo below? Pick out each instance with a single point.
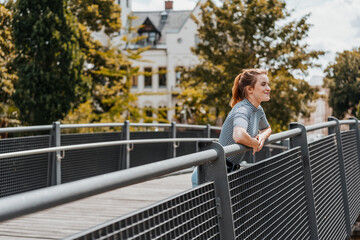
(242, 107)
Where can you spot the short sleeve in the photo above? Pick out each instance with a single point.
(263, 124)
(241, 117)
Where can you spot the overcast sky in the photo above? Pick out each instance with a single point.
(336, 23)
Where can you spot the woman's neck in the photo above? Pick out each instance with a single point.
(253, 101)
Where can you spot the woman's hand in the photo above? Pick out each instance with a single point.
(256, 143)
(261, 139)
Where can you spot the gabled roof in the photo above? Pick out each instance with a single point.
(148, 26)
(174, 22)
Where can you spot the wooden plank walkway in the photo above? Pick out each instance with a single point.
(68, 219)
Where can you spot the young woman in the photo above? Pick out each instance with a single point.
(246, 123)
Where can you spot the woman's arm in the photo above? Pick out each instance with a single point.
(242, 137)
(262, 136)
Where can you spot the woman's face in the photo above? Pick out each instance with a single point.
(261, 90)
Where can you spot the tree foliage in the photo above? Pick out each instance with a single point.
(243, 34)
(343, 81)
(64, 71)
(49, 62)
(9, 112)
(109, 71)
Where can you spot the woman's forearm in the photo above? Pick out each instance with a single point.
(266, 133)
(242, 137)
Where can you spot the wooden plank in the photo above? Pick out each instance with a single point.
(71, 218)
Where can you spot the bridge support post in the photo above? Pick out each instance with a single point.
(336, 130)
(172, 146)
(301, 141)
(357, 132)
(216, 172)
(207, 131)
(124, 162)
(54, 167)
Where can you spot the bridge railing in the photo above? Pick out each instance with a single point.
(30, 172)
(48, 168)
(310, 191)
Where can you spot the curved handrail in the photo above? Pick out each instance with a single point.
(96, 125)
(26, 129)
(229, 150)
(32, 201)
(101, 144)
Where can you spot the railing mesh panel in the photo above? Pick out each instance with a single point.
(21, 174)
(325, 171)
(190, 215)
(189, 147)
(352, 172)
(269, 199)
(83, 163)
(149, 153)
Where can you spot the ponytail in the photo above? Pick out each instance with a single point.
(235, 91)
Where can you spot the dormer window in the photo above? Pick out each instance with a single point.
(151, 33)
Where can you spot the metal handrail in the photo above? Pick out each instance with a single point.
(320, 125)
(90, 125)
(237, 148)
(229, 150)
(95, 125)
(101, 144)
(350, 121)
(26, 129)
(28, 202)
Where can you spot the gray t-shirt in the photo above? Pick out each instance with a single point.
(245, 115)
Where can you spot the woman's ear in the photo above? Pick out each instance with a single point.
(249, 89)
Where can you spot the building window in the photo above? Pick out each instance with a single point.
(127, 3)
(148, 77)
(134, 81)
(162, 114)
(178, 71)
(148, 114)
(151, 38)
(119, 2)
(162, 76)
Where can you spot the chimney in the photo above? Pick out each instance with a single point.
(168, 5)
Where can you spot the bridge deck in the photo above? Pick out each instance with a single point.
(71, 218)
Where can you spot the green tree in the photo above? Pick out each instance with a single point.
(243, 34)
(9, 113)
(49, 61)
(109, 72)
(343, 80)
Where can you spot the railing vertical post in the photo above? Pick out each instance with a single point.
(125, 160)
(54, 169)
(216, 172)
(336, 130)
(301, 141)
(172, 145)
(208, 131)
(355, 127)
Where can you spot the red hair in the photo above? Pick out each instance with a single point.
(247, 77)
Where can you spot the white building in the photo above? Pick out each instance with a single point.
(171, 35)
